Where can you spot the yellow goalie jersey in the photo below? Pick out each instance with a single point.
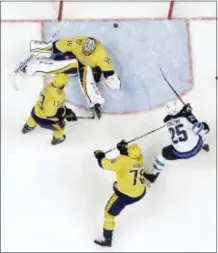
(51, 99)
(98, 58)
(129, 174)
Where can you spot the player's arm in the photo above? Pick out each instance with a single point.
(198, 127)
(112, 164)
(108, 70)
(62, 46)
(62, 49)
(107, 164)
(106, 66)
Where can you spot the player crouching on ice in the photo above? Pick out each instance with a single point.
(186, 134)
(129, 187)
(50, 111)
(81, 55)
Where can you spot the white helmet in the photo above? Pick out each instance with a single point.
(172, 108)
(89, 46)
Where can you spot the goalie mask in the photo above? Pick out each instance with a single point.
(89, 46)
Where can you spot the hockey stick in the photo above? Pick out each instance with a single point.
(32, 56)
(205, 147)
(81, 117)
(138, 137)
(164, 77)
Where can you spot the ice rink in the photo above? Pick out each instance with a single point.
(53, 198)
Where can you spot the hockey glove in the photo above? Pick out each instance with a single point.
(186, 108)
(151, 177)
(206, 147)
(206, 127)
(201, 128)
(113, 82)
(122, 147)
(99, 155)
(70, 115)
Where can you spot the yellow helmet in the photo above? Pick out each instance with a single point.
(134, 151)
(60, 80)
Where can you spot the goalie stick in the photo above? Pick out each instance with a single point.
(32, 56)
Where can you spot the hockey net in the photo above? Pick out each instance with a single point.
(58, 7)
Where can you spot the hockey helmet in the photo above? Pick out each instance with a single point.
(60, 80)
(172, 108)
(89, 46)
(134, 151)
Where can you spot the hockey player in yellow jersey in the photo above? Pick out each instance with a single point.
(128, 188)
(50, 111)
(81, 55)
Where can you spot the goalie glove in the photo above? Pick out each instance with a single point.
(113, 82)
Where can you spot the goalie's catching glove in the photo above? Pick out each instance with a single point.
(113, 82)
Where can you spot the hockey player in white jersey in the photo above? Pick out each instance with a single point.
(186, 135)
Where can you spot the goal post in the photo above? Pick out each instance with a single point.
(61, 6)
(60, 11)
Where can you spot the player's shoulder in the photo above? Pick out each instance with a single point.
(101, 49)
(121, 159)
(79, 39)
(141, 159)
(53, 91)
(167, 118)
(128, 161)
(138, 162)
(179, 115)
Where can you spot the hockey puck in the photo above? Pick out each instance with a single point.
(115, 25)
(216, 77)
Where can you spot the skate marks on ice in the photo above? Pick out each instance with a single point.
(137, 48)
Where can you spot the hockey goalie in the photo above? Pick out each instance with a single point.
(83, 56)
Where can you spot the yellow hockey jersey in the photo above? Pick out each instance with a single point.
(99, 58)
(129, 174)
(51, 99)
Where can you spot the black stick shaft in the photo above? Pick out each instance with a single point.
(171, 86)
(81, 117)
(138, 137)
(146, 134)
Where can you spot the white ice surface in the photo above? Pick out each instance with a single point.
(84, 10)
(29, 10)
(185, 9)
(53, 198)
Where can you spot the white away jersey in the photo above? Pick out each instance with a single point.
(180, 126)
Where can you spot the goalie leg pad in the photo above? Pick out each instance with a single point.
(51, 67)
(41, 48)
(88, 86)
